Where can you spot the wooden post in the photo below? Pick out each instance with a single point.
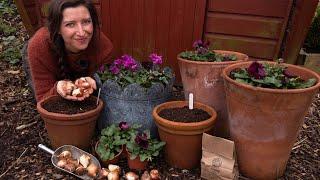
(303, 13)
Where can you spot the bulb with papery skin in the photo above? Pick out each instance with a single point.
(154, 174)
(92, 170)
(84, 160)
(61, 163)
(64, 154)
(145, 176)
(115, 168)
(113, 175)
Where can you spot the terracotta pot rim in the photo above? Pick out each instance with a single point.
(246, 58)
(67, 117)
(193, 126)
(117, 155)
(228, 69)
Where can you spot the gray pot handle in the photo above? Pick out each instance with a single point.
(45, 148)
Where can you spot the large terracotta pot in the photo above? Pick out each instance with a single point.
(183, 140)
(204, 80)
(72, 129)
(264, 123)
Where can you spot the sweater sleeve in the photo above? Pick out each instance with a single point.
(41, 66)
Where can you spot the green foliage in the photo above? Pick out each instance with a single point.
(312, 41)
(274, 76)
(11, 46)
(110, 142)
(6, 7)
(153, 149)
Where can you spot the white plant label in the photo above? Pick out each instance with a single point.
(190, 101)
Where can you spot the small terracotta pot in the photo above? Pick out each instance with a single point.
(136, 164)
(264, 122)
(72, 129)
(183, 140)
(204, 80)
(105, 163)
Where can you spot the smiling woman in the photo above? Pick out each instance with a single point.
(70, 47)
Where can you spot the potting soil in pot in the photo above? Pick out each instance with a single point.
(184, 114)
(61, 105)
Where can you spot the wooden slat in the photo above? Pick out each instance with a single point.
(300, 22)
(254, 47)
(244, 25)
(199, 19)
(162, 29)
(138, 33)
(271, 8)
(105, 17)
(149, 27)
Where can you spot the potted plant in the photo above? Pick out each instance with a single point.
(311, 50)
(141, 149)
(267, 102)
(132, 91)
(110, 145)
(183, 135)
(69, 122)
(200, 71)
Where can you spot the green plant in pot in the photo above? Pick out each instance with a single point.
(200, 71)
(132, 90)
(110, 145)
(142, 149)
(267, 102)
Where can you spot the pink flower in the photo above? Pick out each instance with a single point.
(156, 59)
(114, 69)
(129, 63)
(123, 126)
(101, 68)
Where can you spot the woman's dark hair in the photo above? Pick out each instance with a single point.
(55, 17)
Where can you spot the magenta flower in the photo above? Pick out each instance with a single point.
(114, 69)
(129, 63)
(156, 59)
(118, 62)
(142, 140)
(123, 126)
(101, 68)
(256, 70)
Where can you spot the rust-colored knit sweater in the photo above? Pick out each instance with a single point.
(43, 62)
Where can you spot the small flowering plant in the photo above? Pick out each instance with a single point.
(110, 142)
(202, 52)
(113, 137)
(144, 147)
(273, 76)
(126, 70)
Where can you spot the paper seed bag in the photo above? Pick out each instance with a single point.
(218, 159)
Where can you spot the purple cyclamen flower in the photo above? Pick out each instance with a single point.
(142, 140)
(129, 63)
(118, 63)
(123, 126)
(114, 69)
(156, 59)
(101, 68)
(256, 70)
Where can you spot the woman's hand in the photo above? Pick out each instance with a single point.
(77, 91)
(65, 89)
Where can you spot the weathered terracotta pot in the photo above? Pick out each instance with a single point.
(72, 129)
(183, 140)
(204, 80)
(136, 164)
(264, 123)
(110, 161)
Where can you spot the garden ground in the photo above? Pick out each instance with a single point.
(22, 129)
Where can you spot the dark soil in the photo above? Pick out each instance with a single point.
(61, 105)
(184, 114)
(22, 129)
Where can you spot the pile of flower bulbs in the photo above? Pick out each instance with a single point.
(113, 173)
(79, 166)
(80, 87)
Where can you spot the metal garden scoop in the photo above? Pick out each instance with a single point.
(75, 152)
